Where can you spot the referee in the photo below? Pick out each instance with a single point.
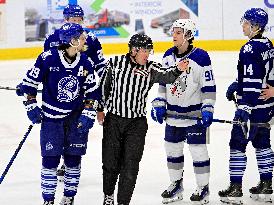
(125, 85)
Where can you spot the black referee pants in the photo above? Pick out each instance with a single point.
(123, 145)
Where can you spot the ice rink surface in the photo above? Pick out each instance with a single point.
(21, 186)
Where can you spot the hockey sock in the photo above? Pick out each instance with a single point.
(201, 163)
(72, 174)
(237, 165)
(265, 159)
(175, 160)
(48, 183)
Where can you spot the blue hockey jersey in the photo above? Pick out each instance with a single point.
(255, 70)
(65, 85)
(94, 50)
(195, 89)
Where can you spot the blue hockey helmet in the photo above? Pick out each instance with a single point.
(257, 17)
(73, 10)
(70, 31)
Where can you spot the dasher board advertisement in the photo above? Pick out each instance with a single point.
(110, 19)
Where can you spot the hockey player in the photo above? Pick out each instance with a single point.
(125, 85)
(75, 14)
(255, 70)
(193, 95)
(68, 79)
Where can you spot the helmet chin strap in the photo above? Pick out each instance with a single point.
(76, 47)
(252, 33)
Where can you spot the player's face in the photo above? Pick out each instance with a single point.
(178, 36)
(246, 27)
(80, 43)
(78, 20)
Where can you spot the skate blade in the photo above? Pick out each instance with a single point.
(266, 198)
(202, 202)
(173, 199)
(232, 200)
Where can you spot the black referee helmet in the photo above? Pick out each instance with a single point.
(140, 41)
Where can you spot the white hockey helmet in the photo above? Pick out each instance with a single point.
(187, 25)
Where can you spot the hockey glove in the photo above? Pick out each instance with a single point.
(231, 90)
(158, 111)
(86, 120)
(34, 112)
(19, 90)
(207, 118)
(242, 113)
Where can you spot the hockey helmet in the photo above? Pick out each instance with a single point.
(70, 31)
(256, 16)
(73, 10)
(187, 25)
(140, 41)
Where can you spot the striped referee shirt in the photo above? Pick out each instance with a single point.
(125, 84)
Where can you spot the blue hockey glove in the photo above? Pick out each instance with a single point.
(241, 115)
(34, 112)
(19, 90)
(207, 118)
(231, 90)
(86, 120)
(158, 111)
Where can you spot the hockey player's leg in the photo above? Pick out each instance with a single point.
(237, 165)
(201, 164)
(174, 147)
(49, 178)
(60, 173)
(71, 178)
(265, 156)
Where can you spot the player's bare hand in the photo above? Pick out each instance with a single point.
(100, 117)
(267, 92)
(183, 65)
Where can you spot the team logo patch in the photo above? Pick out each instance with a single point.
(49, 146)
(68, 89)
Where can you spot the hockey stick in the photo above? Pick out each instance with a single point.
(266, 125)
(11, 88)
(15, 154)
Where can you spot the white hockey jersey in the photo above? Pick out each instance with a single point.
(194, 91)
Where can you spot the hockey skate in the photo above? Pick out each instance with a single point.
(109, 200)
(232, 195)
(262, 192)
(48, 203)
(60, 173)
(200, 196)
(173, 193)
(67, 201)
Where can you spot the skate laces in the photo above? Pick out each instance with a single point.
(67, 201)
(109, 199)
(172, 186)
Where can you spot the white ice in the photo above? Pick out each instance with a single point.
(21, 185)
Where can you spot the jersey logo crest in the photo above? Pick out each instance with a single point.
(68, 89)
(248, 49)
(179, 86)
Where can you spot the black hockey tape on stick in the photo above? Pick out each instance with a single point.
(184, 117)
(11, 88)
(15, 154)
